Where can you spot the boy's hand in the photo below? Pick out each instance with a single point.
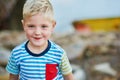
(69, 76)
(13, 77)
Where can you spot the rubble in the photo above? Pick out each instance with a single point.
(98, 49)
(10, 39)
(3, 74)
(105, 68)
(4, 56)
(79, 73)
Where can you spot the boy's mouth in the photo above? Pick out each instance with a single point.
(37, 38)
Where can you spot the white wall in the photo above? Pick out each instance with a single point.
(68, 10)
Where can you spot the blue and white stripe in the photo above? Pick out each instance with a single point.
(31, 67)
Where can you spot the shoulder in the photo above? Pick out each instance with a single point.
(20, 47)
(56, 47)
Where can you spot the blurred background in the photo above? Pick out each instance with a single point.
(88, 30)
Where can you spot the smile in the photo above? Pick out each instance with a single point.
(37, 38)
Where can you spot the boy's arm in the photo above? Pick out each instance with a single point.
(12, 68)
(13, 77)
(69, 76)
(66, 68)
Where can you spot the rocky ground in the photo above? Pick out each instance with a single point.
(97, 54)
(93, 57)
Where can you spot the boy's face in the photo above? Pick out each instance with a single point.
(38, 29)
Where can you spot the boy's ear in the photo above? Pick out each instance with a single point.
(22, 21)
(54, 24)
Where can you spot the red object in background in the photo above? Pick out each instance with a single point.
(51, 71)
(80, 27)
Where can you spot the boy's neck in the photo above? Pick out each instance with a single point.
(37, 49)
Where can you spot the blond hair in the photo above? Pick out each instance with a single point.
(32, 7)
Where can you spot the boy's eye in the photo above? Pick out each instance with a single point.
(31, 26)
(44, 26)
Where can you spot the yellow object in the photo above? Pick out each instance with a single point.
(4, 77)
(103, 24)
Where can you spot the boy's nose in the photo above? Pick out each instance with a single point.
(37, 31)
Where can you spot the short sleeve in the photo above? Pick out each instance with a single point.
(65, 65)
(12, 66)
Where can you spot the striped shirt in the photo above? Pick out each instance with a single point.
(51, 64)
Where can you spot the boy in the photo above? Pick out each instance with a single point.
(38, 58)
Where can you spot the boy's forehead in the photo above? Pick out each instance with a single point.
(39, 16)
(36, 20)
